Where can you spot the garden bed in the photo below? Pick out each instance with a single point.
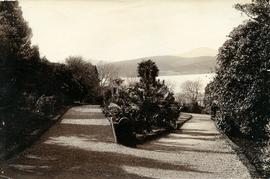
(28, 132)
(140, 138)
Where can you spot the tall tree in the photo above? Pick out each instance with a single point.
(15, 34)
(241, 83)
(15, 49)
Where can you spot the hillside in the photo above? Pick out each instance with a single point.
(197, 52)
(170, 65)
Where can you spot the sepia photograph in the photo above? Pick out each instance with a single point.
(134, 89)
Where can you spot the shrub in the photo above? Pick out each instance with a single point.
(148, 103)
(266, 158)
(45, 105)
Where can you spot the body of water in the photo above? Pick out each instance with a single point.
(175, 81)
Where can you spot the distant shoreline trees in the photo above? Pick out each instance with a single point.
(107, 74)
(191, 97)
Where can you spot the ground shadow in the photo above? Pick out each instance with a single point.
(62, 160)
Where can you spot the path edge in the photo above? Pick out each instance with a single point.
(240, 154)
(113, 129)
(162, 133)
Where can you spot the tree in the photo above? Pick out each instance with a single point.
(241, 84)
(15, 35)
(192, 91)
(107, 73)
(148, 71)
(16, 51)
(87, 75)
(258, 10)
(191, 97)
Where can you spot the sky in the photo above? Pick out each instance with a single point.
(114, 30)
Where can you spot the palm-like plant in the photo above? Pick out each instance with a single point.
(148, 71)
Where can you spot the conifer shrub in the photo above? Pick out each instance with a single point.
(148, 103)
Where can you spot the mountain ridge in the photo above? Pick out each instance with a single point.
(169, 65)
(196, 52)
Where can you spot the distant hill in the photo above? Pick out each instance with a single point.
(170, 65)
(198, 52)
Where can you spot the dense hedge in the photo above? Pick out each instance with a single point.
(40, 91)
(242, 83)
(238, 97)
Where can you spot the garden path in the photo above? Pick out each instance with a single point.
(82, 146)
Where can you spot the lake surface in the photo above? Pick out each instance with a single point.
(175, 81)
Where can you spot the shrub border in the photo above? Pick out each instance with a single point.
(31, 139)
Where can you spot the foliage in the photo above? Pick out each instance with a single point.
(265, 155)
(191, 90)
(15, 46)
(15, 35)
(258, 10)
(148, 71)
(191, 97)
(87, 75)
(209, 96)
(107, 74)
(31, 88)
(148, 105)
(242, 84)
(45, 105)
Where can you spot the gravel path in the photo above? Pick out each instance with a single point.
(85, 148)
(199, 146)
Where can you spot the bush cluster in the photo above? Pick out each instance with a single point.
(149, 104)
